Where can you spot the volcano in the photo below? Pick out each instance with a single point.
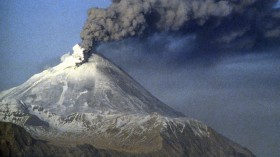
(96, 109)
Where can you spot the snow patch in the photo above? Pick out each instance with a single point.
(64, 89)
(81, 93)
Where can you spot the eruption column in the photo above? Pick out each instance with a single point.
(216, 22)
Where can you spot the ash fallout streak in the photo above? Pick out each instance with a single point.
(217, 24)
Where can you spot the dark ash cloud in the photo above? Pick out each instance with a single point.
(214, 60)
(218, 24)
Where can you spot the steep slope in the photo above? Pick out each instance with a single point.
(16, 142)
(96, 87)
(100, 106)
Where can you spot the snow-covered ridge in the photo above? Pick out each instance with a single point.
(114, 129)
(97, 103)
(97, 123)
(94, 99)
(97, 86)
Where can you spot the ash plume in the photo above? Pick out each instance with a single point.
(218, 24)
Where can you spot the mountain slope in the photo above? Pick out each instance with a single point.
(99, 105)
(98, 86)
(15, 141)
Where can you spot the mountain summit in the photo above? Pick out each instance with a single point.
(99, 105)
(94, 87)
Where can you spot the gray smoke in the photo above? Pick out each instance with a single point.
(229, 23)
(235, 92)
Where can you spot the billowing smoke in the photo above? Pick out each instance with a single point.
(173, 58)
(222, 24)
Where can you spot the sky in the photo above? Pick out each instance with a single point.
(236, 93)
(34, 34)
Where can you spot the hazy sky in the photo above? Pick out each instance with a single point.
(238, 94)
(34, 34)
